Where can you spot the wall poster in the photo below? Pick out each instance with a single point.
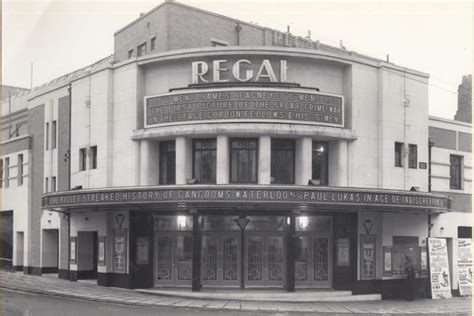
(143, 246)
(387, 261)
(439, 268)
(73, 250)
(120, 250)
(464, 262)
(101, 249)
(343, 246)
(423, 262)
(367, 257)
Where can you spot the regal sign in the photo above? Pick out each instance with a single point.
(242, 70)
(245, 105)
(356, 198)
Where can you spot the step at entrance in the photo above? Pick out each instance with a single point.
(266, 296)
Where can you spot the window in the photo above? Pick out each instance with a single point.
(412, 156)
(243, 157)
(53, 184)
(82, 159)
(7, 172)
(283, 161)
(455, 172)
(130, 53)
(403, 249)
(152, 43)
(53, 135)
(20, 169)
(1, 173)
(320, 163)
(46, 189)
(141, 50)
(47, 136)
(204, 166)
(93, 157)
(17, 129)
(398, 154)
(167, 162)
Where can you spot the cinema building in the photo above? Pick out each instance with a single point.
(208, 152)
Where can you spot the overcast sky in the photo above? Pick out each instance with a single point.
(60, 36)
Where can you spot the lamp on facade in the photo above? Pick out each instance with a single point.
(415, 189)
(314, 182)
(192, 181)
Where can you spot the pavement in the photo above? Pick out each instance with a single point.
(90, 291)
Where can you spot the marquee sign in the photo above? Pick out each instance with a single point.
(245, 105)
(322, 196)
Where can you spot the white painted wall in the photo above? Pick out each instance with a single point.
(15, 198)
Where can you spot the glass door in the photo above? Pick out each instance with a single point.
(265, 260)
(220, 259)
(173, 259)
(313, 252)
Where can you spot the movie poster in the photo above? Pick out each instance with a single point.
(439, 268)
(464, 261)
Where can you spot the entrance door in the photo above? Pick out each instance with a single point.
(221, 259)
(313, 252)
(173, 259)
(265, 256)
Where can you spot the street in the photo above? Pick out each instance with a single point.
(15, 303)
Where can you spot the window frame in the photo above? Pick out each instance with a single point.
(20, 170)
(459, 184)
(54, 126)
(153, 43)
(141, 49)
(257, 144)
(326, 144)
(53, 184)
(399, 154)
(6, 167)
(412, 156)
(93, 157)
(161, 145)
(46, 185)
(1, 173)
(195, 141)
(82, 159)
(47, 137)
(273, 155)
(130, 53)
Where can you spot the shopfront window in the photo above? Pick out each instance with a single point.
(167, 162)
(204, 167)
(320, 163)
(243, 161)
(404, 248)
(283, 161)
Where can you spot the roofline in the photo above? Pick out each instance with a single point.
(450, 121)
(191, 8)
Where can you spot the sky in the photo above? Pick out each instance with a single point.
(60, 36)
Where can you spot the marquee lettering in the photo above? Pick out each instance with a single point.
(264, 71)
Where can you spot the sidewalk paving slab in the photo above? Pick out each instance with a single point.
(89, 291)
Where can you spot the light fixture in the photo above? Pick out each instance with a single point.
(415, 189)
(182, 222)
(303, 222)
(314, 182)
(191, 181)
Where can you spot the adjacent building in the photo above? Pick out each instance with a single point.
(210, 152)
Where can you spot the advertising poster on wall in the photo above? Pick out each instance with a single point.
(120, 250)
(387, 261)
(73, 249)
(465, 266)
(439, 268)
(101, 251)
(143, 245)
